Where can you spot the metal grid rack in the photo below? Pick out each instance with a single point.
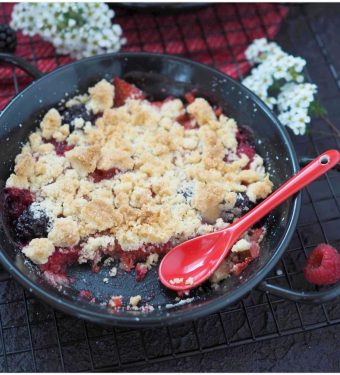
(34, 337)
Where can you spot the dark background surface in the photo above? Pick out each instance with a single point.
(261, 332)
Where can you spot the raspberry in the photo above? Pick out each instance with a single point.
(159, 103)
(254, 249)
(218, 111)
(59, 147)
(124, 90)
(99, 175)
(186, 121)
(189, 97)
(60, 260)
(257, 234)
(245, 148)
(141, 271)
(323, 265)
(239, 267)
(8, 39)
(85, 295)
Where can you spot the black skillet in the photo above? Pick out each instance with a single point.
(159, 76)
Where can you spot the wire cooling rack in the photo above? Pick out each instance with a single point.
(34, 337)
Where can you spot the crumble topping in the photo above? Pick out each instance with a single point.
(84, 159)
(134, 176)
(64, 233)
(241, 245)
(50, 123)
(101, 96)
(38, 250)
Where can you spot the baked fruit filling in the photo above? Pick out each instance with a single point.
(112, 175)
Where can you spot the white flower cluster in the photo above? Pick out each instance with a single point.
(277, 68)
(78, 29)
(293, 103)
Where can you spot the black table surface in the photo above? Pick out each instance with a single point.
(261, 332)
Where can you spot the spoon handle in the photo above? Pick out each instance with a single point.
(305, 176)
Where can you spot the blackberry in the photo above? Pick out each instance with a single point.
(243, 203)
(32, 223)
(8, 39)
(77, 111)
(242, 206)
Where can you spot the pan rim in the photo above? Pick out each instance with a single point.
(175, 316)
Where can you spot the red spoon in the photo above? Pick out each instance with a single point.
(194, 261)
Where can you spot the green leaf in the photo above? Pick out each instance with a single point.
(316, 109)
(274, 89)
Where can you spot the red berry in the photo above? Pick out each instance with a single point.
(257, 234)
(218, 111)
(323, 265)
(124, 90)
(186, 121)
(159, 103)
(60, 260)
(239, 267)
(254, 249)
(141, 271)
(115, 302)
(189, 97)
(85, 294)
(99, 175)
(60, 147)
(244, 148)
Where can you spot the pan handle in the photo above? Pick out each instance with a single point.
(301, 296)
(35, 73)
(304, 160)
(17, 61)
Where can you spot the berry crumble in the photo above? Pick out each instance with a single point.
(111, 175)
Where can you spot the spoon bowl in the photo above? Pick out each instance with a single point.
(195, 259)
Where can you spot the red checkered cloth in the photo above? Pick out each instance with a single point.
(216, 35)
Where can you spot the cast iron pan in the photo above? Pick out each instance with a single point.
(159, 76)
